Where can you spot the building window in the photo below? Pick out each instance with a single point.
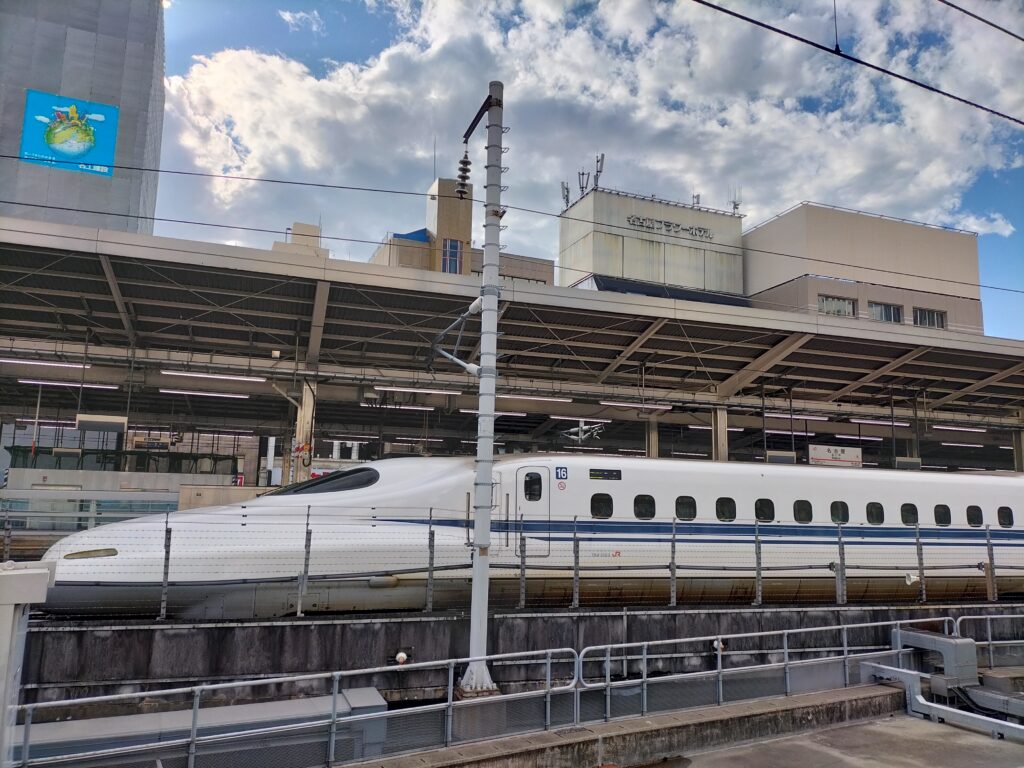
(885, 313)
(802, 511)
(764, 510)
(836, 305)
(929, 318)
(725, 509)
(451, 256)
(876, 513)
(532, 486)
(643, 507)
(686, 508)
(601, 506)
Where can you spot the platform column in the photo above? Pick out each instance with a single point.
(304, 431)
(720, 434)
(652, 438)
(20, 585)
(1018, 445)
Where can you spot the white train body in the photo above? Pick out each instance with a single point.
(368, 543)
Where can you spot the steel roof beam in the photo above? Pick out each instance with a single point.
(316, 324)
(879, 372)
(750, 372)
(115, 292)
(628, 352)
(993, 379)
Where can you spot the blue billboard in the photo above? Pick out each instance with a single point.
(72, 134)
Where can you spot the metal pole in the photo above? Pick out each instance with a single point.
(846, 658)
(672, 583)
(841, 570)
(430, 570)
(448, 709)
(608, 683)
(785, 659)
(304, 578)
(718, 660)
(477, 676)
(991, 655)
(196, 694)
(758, 576)
(522, 571)
(547, 690)
(167, 570)
(332, 734)
(35, 428)
(26, 743)
(990, 577)
(643, 680)
(7, 534)
(923, 597)
(575, 567)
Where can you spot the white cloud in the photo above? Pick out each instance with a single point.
(681, 99)
(298, 19)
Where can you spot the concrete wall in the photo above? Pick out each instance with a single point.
(801, 295)
(451, 218)
(196, 496)
(599, 234)
(517, 267)
(861, 247)
(107, 51)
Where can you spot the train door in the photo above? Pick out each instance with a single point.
(533, 509)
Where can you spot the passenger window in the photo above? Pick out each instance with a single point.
(764, 510)
(974, 516)
(643, 507)
(532, 486)
(802, 511)
(601, 506)
(840, 512)
(1005, 517)
(942, 515)
(876, 513)
(686, 508)
(908, 513)
(725, 509)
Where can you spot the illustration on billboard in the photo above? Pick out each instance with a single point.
(72, 134)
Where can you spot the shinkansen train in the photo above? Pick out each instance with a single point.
(359, 540)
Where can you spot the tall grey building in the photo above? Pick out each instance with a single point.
(81, 91)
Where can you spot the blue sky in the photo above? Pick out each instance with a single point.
(680, 98)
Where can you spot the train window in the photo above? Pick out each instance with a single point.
(876, 513)
(601, 506)
(942, 515)
(802, 511)
(974, 516)
(686, 508)
(840, 512)
(533, 486)
(643, 507)
(908, 513)
(764, 510)
(349, 480)
(1005, 517)
(725, 509)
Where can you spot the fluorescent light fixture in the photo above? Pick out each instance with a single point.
(638, 406)
(632, 450)
(417, 390)
(702, 426)
(860, 437)
(496, 413)
(197, 393)
(583, 448)
(352, 438)
(535, 397)
(952, 428)
(934, 466)
(55, 422)
(46, 363)
(796, 417)
(1004, 447)
(43, 383)
(687, 453)
(880, 423)
(796, 432)
(870, 463)
(963, 445)
(473, 442)
(356, 442)
(420, 439)
(223, 434)
(581, 418)
(217, 376)
(972, 469)
(393, 407)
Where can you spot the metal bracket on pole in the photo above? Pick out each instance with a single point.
(430, 569)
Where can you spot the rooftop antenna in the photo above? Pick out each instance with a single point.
(696, 198)
(584, 181)
(565, 193)
(598, 169)
(435, 155)
(737, 200)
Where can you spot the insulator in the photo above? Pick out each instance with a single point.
(464, 166)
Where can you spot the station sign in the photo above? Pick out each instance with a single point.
(835, 455)
(68, 133)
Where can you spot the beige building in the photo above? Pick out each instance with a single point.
(624, 235)
(816, 258)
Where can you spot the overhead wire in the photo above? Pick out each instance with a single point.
(982, 19)
(861, 62)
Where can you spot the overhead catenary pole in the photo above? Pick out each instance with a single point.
(477, 678)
